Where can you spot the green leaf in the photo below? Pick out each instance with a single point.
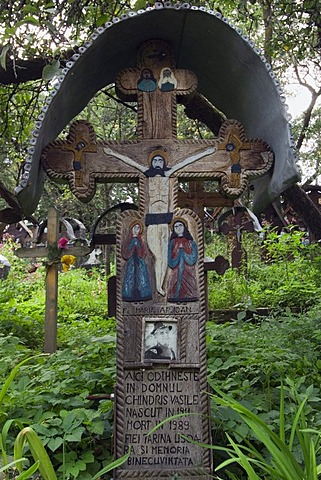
(45, 431)
(55, 443)
(3, 438)
(81, 465)
(12, 464)
(50, 71)
(244, 461)
(102, 20)
(69, 421)
(12, 376)
(241, 316)
(29, 9)
(117, 463)
(29, 472)
(98, 428)
(88, 457)
(29, 19)
(32, 20)
(37, 450)
(75, 436)
(72, 470)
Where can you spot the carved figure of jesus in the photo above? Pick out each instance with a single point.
(158, 190)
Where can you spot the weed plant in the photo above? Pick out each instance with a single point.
(291, 452)
(22, 300)
(246, 360)
(51, 395)
(51, 398)
(281, 271)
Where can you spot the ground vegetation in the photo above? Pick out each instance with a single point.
(249, 358)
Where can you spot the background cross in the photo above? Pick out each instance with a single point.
(233, 223)
(50, 344)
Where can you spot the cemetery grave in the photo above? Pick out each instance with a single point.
(160, 283)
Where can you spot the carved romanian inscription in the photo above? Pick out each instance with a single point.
(153, 395)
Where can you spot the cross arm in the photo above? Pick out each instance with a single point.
(192, 159)
(36, 252)
(41, 252)
(124, 158)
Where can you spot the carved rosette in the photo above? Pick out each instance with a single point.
(249, 158)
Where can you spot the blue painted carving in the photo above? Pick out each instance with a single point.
(182, 258)
(136, 283)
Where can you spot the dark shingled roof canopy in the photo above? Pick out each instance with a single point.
(232, 75)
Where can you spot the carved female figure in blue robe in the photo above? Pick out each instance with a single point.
(182, 259)
(136, 283)
(147, 81)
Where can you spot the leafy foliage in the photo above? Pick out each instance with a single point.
(51, 398)
(282, 461)
(284, 274)
(39, 454)
(246, 359)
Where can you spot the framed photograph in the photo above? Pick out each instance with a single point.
(160, 340)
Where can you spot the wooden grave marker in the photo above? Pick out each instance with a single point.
(233, 223)
(50, 344)
(161, 349)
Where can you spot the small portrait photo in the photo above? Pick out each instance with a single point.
(160, 340)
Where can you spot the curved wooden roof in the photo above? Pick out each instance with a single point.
(232, 74)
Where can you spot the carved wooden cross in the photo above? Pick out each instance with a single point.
(197, 199)
(156, 83)
(161, 347)
(234, 222)
(80, 141)
(50, 344)
(158, 159)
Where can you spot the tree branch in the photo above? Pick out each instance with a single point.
(21, 71)
(307, 118)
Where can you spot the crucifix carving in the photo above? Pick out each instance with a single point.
(157, 159)
(80, 141)
(158, 187)
(161, 348)
(231, 159)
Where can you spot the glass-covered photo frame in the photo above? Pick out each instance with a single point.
(160, 343)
